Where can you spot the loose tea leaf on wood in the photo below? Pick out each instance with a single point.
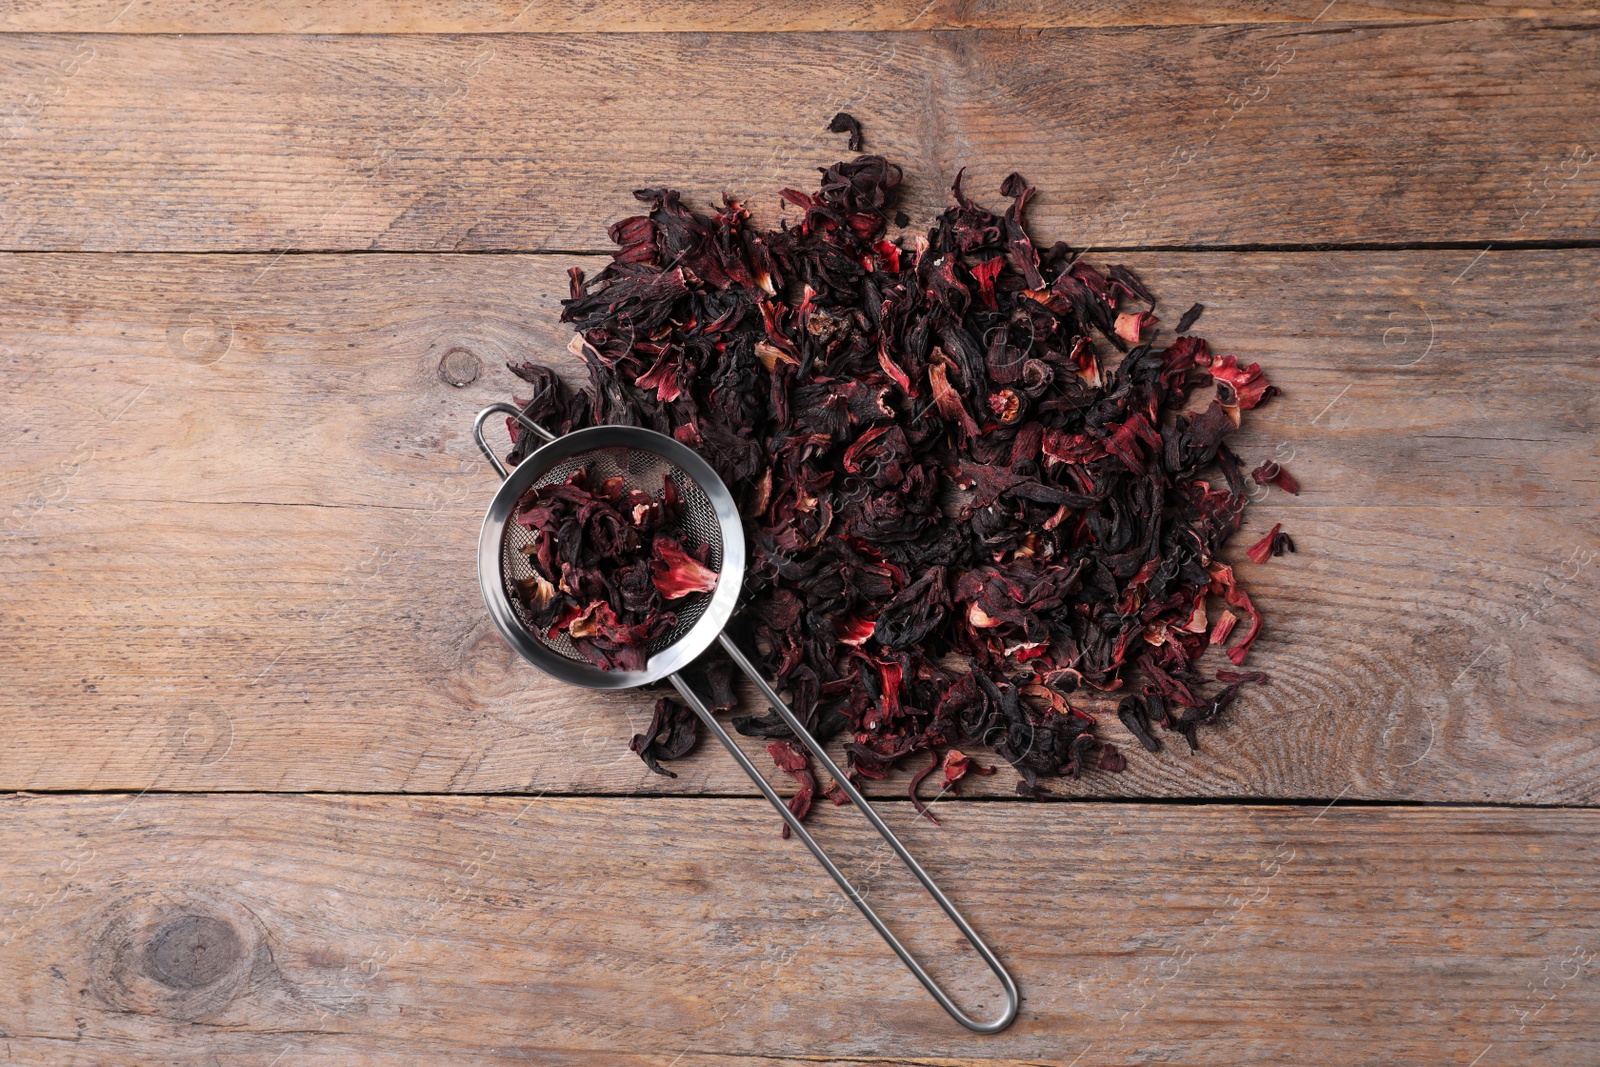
(974, 479)
(1270, 473)
(1275, 543)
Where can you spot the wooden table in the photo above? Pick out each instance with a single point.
(278, 794)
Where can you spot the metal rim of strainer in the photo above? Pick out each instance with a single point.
(683, 651)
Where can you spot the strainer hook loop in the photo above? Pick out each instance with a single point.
(515, 413)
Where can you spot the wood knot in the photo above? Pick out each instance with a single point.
(459, 368)
(488, 677)
(192, 951)
(183, 952)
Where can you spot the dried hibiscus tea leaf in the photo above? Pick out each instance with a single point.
(972, 479)
(1247, 385)
(1270, 473)
(1188, 719)
(606, 570)
(956, 766)
(1131, 710)
(793, 760)
(1130, 327)
(844, 122)
(1275, 543)
(671, 735)
(676, 573)
(1190, 317)
(916, 780)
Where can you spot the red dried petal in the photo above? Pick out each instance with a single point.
(1111, 760)
(1248, 383)
(793, 760)
(853, 630)
(1275, 543)
(663, 378)
(1270, 473)
(945, 396)
(984, 274)
(1130, 325)
(1261, 551)
(957, 765)
(1224, 584)
(676, 573)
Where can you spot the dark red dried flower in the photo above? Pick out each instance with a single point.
(672, 733)
(1132, 711)
(1270, 473)
(1186, 720)
(793, 760)
(675, 573)
(1247, 384)
(958, 446)
(604, 566)
(1189, 318)
(1275, 543)
(917, 780)
(844, 122)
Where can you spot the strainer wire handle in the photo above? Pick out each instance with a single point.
(516, 413)
(850, 891)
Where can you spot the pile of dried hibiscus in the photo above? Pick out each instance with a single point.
(972, 479)
(606, 566)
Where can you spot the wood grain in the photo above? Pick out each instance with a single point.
(677, 16)
(256, 930)
(1354, 133)
(240, 506)
(238, 503)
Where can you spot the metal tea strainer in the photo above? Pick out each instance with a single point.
(710, 518)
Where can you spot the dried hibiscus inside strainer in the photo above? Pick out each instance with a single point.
(608, 568)
(981, 492)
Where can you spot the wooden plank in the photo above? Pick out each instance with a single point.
(330, 380)
(1397, 133)
(240, 505)
(255, 930)
(677, 16)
